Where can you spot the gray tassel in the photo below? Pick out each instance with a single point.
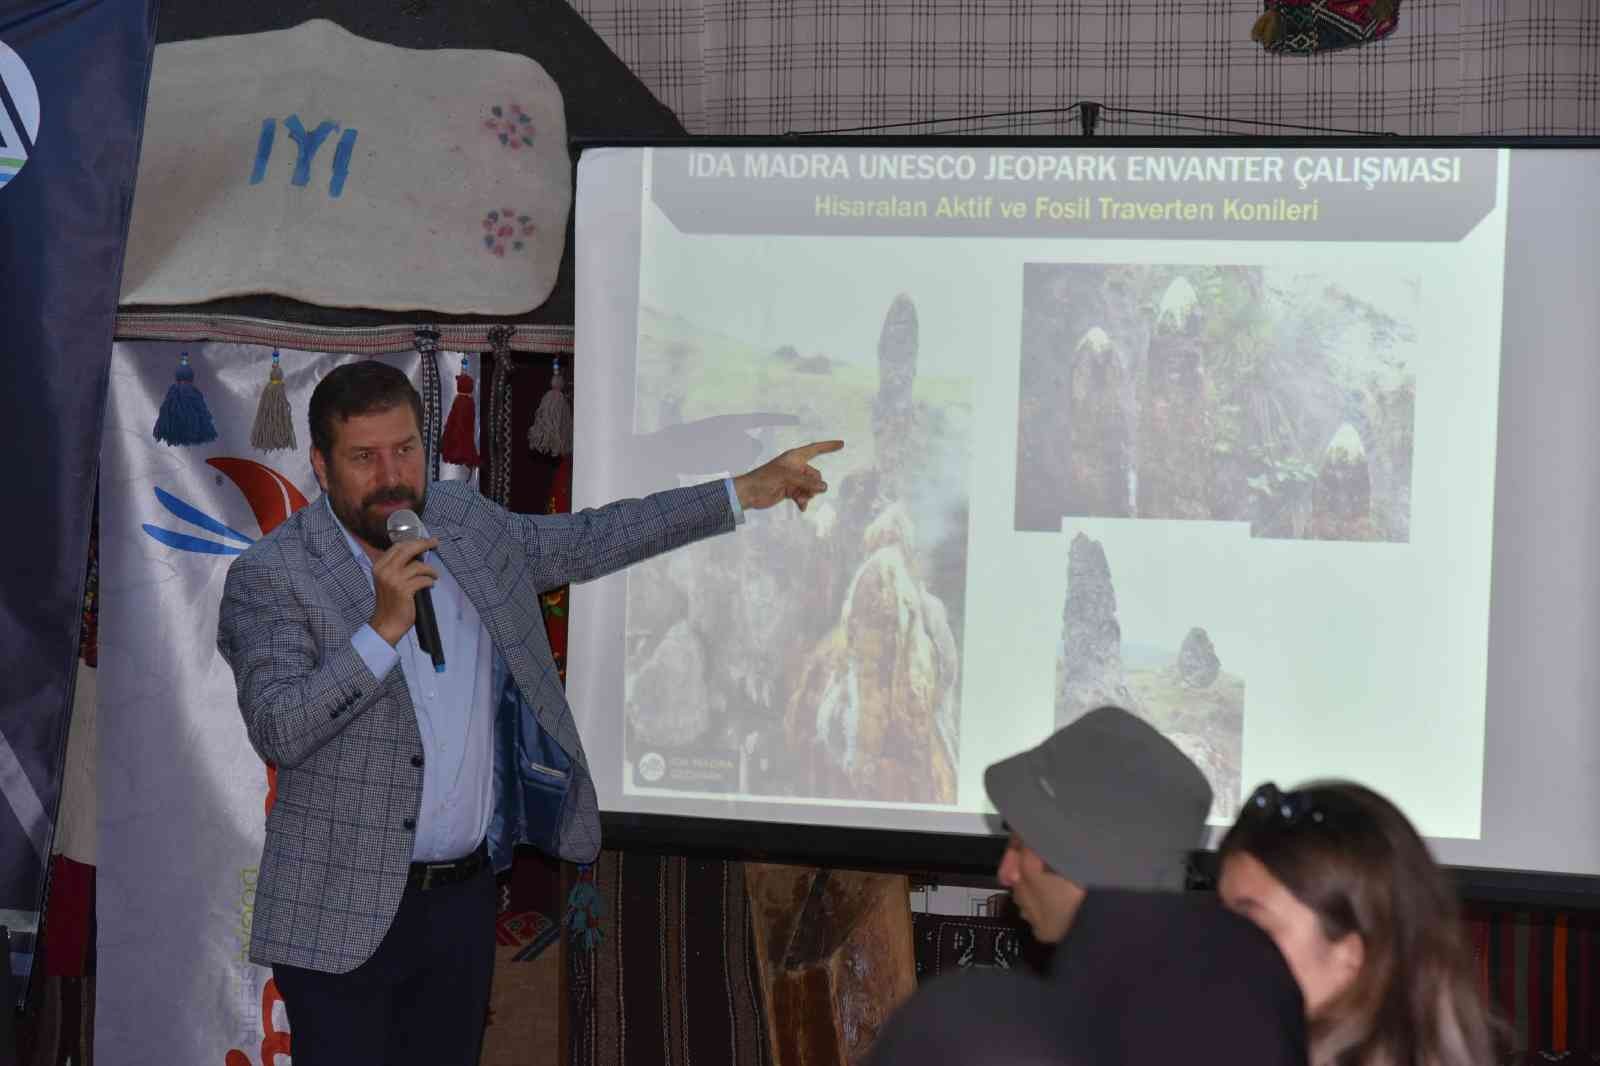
(274, 427)
(551, 432)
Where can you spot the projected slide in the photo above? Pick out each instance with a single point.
(1206, 434)
(1284, 398)
(844, 683)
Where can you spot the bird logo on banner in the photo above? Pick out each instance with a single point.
(272, 497)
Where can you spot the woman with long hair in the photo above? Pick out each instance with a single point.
(1370, 927)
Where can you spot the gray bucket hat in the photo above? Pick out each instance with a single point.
(1106, 800)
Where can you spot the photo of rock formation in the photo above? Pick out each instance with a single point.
(814, 655)
(1183, 691)
(1283, 399)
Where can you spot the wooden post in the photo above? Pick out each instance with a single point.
(836, 958)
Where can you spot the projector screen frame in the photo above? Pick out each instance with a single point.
(579, 145)
(962, 858)
(955, 859)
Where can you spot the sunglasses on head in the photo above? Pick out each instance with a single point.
(1286, 808)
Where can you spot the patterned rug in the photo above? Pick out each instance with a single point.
(525, 1000)
(668, 975)
(947, 942)
(1540, 970)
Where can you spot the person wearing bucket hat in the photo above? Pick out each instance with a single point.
(1155, 978)
(1102, 816)
(978, 1017)
(1106, 801)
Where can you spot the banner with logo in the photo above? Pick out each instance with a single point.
(73, 77)
(182, 795)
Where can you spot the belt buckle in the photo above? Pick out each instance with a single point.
(428, 872)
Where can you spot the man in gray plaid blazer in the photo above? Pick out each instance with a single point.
(400, 787)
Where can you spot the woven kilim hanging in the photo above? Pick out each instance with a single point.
(1306, 27)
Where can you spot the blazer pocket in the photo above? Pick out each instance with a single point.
(541, 760)
(538, 772)
(546, 774)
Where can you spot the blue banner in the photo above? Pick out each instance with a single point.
(73, 80)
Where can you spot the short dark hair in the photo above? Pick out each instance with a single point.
(358, 389)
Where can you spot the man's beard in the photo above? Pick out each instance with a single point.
(373, 528)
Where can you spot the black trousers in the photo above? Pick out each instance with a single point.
(420, 1000)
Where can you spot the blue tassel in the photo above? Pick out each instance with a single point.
(585, 909)
(184, 418)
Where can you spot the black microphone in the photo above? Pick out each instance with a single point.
(403, 526)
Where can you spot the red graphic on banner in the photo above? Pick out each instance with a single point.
(274, 1042)
(271, 496)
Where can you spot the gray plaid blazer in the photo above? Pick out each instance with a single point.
(346, 744)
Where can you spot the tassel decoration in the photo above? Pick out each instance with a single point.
(460, 443)
(1267, 30)
(586, 909)
(274, 426)
(184, 417)
(551, 432)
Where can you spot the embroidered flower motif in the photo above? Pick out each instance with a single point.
(504, 230)
(511, 125)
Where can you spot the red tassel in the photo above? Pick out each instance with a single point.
(460, 442)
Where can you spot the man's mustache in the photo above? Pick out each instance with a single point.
(394, 495)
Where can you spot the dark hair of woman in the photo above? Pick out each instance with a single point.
(1369, 924)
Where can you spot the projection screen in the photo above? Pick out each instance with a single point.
(1284, 446)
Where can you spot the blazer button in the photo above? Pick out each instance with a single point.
(334, 713)
(416, 760)
(410, 823)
